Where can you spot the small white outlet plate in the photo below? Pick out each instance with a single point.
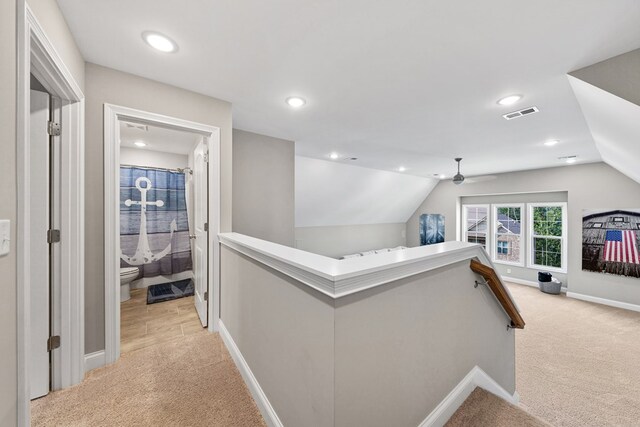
(5, 236)
(508, 270)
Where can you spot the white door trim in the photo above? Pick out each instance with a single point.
(37, 55)
(112, 115)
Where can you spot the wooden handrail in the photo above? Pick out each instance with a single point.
(500, 292)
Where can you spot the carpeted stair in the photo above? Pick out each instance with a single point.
(483, 409)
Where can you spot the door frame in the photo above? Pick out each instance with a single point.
(113, 114)
(37, 55)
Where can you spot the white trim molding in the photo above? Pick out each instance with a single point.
(450, 404)
(604, 301)
(38, 56)
(531, 283)
(267, 411)
(113, 114)
(94, 360)
(338, 278)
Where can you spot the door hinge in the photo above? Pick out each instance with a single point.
(53, 342)
(53, 128)
(53, 236)
(206, 226)
(206, 295)
(206, 157)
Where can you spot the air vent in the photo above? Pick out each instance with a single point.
(138, 126)
(520, 113)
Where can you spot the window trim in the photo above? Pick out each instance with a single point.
(494, 234)
(563, 239)
(487, 206)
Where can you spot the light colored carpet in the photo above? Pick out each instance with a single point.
(190, 382)
(577, 363)
(483, 409)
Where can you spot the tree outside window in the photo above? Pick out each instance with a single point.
(547, 236)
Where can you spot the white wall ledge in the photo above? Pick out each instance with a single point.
(338, 278)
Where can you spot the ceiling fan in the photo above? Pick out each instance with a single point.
(458, 178)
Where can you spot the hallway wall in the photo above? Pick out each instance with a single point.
(8, 210)
(104, 85)
(54, 24)
(263, 184)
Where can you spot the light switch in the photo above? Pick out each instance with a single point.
(5, 236)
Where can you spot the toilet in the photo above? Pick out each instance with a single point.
(127, 275)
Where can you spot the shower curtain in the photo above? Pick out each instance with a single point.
(166, 246)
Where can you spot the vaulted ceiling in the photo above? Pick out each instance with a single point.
(411, 83)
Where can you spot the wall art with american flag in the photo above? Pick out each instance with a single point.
(610, 241)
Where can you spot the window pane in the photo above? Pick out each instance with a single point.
(476, 226)
(508, 233)
(547, 221)
(548, 252)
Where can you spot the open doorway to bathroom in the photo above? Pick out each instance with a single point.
(161, 229)
(163, 217)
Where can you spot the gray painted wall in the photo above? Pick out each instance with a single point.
(618, 75)
(104, 85)
(263, 187)
(594, 185)
(340, 240)
(284, 330)
(325, 362)
(8, 210)
(55, 26)
(402, 347)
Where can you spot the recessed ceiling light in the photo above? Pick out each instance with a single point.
(295, 101)
(551, 142)
(569, 159)
(402, 169)
(442, 176)
(510, 100)
(333, 156)
(140, 144)
(159, 42)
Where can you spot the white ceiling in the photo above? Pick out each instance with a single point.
(410, 83)
(330, 193)
(158, 139)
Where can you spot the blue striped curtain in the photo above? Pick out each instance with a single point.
(169, 187)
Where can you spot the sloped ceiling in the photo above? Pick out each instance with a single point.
(614, 124)
(609, 95)
(329, 193)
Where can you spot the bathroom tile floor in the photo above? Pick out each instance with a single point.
(143, 325)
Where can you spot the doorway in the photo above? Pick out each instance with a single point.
(44, 226)
(161, 229)
(50, 297)
(163, 235)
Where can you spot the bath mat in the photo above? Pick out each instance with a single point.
(169, 291)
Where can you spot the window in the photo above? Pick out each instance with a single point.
(548, 235)
(475, 224)
(507, 233)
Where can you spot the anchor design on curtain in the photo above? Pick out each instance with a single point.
(143, 253)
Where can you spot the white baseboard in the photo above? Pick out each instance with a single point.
(94, 360)
(267, 411)
(604, 301)
(450, 404)
(528, 283)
